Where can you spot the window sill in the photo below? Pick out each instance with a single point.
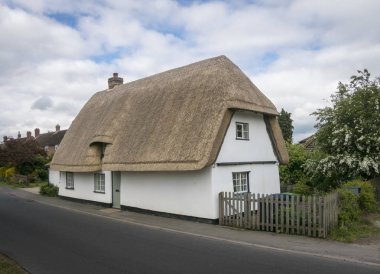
(242, 139)
(70, 188)
(100, 192)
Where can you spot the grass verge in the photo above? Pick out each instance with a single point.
(364, 229)
(16, 185)
(8, 266)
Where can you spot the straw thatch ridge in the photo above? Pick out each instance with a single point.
(175, 120)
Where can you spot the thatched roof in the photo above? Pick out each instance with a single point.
(175, 120)
(51, 138)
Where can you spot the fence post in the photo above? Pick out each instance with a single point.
(221, 208)
(248, 215)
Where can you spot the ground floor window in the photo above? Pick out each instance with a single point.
(240, 181)
(69, 180)
(99, 182)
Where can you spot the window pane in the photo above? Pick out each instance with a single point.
(242, 131)
(69, 180)
(240, 181)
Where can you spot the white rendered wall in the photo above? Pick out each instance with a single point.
(186, 192)
(54, 177)
(84, 187)
(263, 178)
(257, 148)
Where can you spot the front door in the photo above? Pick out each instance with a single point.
(116, 189)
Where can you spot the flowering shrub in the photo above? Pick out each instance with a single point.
(349, 133)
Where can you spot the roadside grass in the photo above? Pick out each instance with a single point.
(19, 185)
(366, 227)
(8, 266)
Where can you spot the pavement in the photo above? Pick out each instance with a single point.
(368, 254)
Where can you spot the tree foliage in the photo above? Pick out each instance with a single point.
(286, 125)
(26, 155)
(349, 132)
(294, 172)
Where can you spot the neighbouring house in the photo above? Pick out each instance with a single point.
(309, 143)
(50, 141)
(171, 142)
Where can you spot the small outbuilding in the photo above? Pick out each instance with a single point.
(169, 143)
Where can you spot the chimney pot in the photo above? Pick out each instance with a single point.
(19, 135)
(28, 134)
(36, 132)
(5, 138)
(57, 127)
(115, 80)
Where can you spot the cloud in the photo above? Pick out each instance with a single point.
(42, 103)
(295, 51)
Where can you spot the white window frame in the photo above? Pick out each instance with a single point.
(69, 180)
(99, 183)
(240, 181)
(242, 131)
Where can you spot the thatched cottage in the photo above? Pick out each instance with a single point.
(171, 142)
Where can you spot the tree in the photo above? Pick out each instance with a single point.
(286, 125)
(22, 154)
(349, 132)
(294, 172)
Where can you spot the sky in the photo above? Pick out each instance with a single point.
(55, 54)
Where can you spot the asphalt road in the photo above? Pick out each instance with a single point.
(46, 239)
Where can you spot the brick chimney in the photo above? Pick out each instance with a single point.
(36, 132)
(5, 138)
(57, 127)
(19, 135)
(28, 134)
(115, 80)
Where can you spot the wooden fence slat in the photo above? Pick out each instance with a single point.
(240, 201)
(266, 202)
(293, 214)
(253, 209)
(260, 206)
(287, 213)
(221, 209)
(298, 214)
(314, 222)
(276, 214)
(309, 215)
(271, 209)
(320, 222)
(281, 208)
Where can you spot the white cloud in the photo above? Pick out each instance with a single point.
(294, 51)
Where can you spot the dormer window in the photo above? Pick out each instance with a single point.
(242, 131)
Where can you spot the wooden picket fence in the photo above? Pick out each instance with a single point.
(312, 216)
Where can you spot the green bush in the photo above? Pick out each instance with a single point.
(349, 207)
(49, 190)
(33, 177)
(9, 172)
(302, 189)
(2, 171)
(367, 199)
(293, 172)
(42, 174)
